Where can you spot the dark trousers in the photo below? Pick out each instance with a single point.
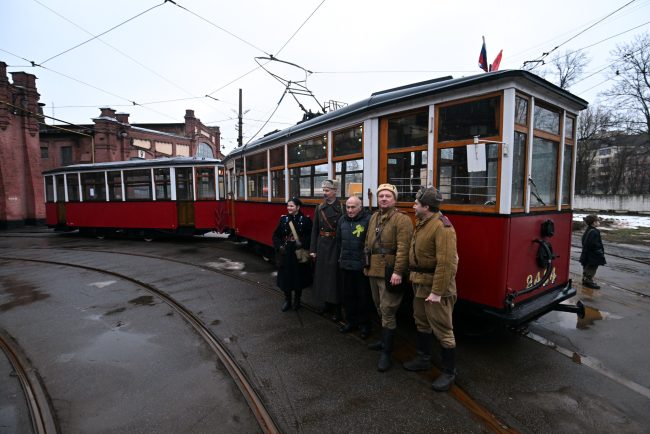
(355, 292)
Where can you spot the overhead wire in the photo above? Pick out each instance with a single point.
(301, 26)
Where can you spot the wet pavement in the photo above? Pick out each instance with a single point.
(111, 355)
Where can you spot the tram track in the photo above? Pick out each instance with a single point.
(480, 412)
(36, 398)
(262, 415)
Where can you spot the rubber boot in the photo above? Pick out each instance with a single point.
(287, 301)
(296, 299)
(422, 361)
(448, 375)
(385, 362)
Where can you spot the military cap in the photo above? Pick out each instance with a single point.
(388, 187)
(429, 196)
(330, 183)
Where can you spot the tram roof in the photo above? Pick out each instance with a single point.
(133, 164)
(415, 90)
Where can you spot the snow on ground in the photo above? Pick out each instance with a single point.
(620, 221)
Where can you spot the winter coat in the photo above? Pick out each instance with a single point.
(351, 238)
(433, 258)
(292, 274)
(593, 252)
(323, 242)
(391, 247)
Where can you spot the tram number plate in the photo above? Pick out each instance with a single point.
(534, 280)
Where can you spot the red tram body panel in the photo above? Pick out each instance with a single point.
(128, 215)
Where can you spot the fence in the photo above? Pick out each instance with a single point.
(613, 202)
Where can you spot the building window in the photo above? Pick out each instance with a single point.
(305, 181)
(184, 189)
(162, 180)
(137, 184)
(462, 121)
(544, 172)
(72, 180)
(45, 152)
(114, 185)
(308, 150)
(349, 174)
(66, 155)
(468, 182)
(518, 170)
(204, 151)
(93, 186)
(205, 184)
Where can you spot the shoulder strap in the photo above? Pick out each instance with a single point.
(293, 231)
(327, 222)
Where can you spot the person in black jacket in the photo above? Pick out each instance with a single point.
(351, 237)
(593, 252)
(292, 275)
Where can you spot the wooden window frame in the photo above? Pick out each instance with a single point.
(356, 155)
(557, 138)
(264, 198)
(310, 163)
(303, 163)
(524, 129)
(437, 146)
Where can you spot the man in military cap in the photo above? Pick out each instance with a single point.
(433, 261)
(387, 242)
(324, 249)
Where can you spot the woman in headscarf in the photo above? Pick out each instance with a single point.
(293, 276)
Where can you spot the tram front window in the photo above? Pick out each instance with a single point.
(205, 183)
(408, 172)
(544, 173)
(472, 182)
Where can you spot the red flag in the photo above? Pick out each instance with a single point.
(497, 61)
(482, 58)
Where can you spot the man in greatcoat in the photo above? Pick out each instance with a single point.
(323, 250)
(433, 261)
(387, 243)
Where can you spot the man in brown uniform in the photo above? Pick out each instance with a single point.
(387, 242)
(433, 261)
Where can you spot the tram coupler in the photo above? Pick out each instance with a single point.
(578, 308)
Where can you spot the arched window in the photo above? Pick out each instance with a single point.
(204, 151)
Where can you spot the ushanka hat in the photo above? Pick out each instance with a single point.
(330, 183)
(388, 187)
(429, 196)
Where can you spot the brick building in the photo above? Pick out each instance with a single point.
(27, 149)
(21, 183)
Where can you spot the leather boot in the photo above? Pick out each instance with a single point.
(337, 316)
(448, 375)
(385, 362)
(287, 301)
(376, 346)
(422, 361)
(365, 331)
(296, 299)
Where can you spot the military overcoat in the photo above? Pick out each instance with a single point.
(433, 257)
(323, 242)
(389, 236)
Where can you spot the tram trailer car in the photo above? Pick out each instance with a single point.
(177, 195)
(500, 146)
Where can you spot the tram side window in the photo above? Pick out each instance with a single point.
(277, 184)
(184, 183)
(60, 188)
(518, 170)
(205, 183)
(114, 186)
(468, 183)
(257, 176)
(469, 119)
(93, 186)
(566, 180)
(305, 181)
(308, 150)
(49, 188)
(137, 184)
(544, 173)
(349, 174)
(547, 120)
(162, 179)
(348, 141)
(72, 180)
(222, 185)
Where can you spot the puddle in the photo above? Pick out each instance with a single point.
(571, 321)
(20, 293)
(145, 300)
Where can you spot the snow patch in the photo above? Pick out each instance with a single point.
(226, 265)
(102, 284)
(620, 221)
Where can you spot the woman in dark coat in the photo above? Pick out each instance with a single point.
(292, 275)
(593, 252)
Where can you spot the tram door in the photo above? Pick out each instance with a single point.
(185, 196)
(60, 200)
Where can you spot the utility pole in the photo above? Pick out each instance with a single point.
(240, 140)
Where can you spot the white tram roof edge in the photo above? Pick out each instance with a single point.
(134, 164)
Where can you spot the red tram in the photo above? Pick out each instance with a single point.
(500, 146)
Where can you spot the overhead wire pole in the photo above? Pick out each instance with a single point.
(240, 140)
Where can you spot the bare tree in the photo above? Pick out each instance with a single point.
(568, 67)
(631, 89)
(594, 123)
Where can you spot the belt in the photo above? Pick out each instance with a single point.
(422, 269)
(327, 234)
(383, 251)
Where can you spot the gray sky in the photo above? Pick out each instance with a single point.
(353, 48)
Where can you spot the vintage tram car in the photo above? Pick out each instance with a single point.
(500, 146)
